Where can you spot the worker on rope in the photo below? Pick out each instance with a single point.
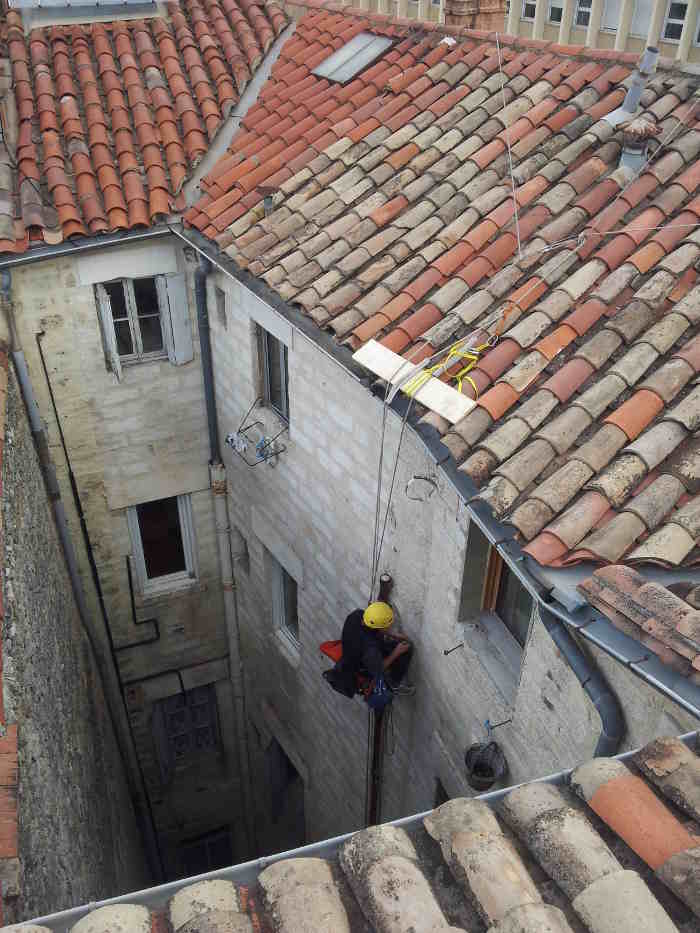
(368, 648)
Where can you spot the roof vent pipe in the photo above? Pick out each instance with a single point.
(644, 70)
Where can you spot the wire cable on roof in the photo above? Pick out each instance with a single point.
(510, 155)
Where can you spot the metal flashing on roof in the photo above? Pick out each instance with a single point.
(353, 57)
(70, 4)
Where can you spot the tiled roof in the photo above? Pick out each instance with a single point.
(665, 619)
(394, 220)
(111, 118)
(613, 850)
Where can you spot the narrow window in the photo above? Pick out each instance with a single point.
(286, 791)
(275, 374)
(206, 853)
(221, 307)
(284, 598)
(528, 11)
(490, 586)
(441, 795)
(673, 24)
(162, 541)
(120, 318)
(555, 11)
(147, 315)
(583, 12)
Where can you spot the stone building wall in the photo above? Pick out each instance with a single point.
(77, 837)
(313, 511)
(132, 441)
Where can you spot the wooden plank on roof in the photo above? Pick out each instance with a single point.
(434, 394)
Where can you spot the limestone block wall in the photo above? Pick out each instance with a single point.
(314, 512)
(69, 829)
(130, 441)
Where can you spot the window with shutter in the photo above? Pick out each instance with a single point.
(145, 319)
(528, 11)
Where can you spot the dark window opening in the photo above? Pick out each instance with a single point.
(290, 614)
(283, 777)
(207, 853)
(276, 374)
(148, 314)
(514, 606)
(161, 537)
(583, 12)
(489, 585)
(120, 317)
(441, 795)
(221, 307)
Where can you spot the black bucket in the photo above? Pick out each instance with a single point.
(486, 764)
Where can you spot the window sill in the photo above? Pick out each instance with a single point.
(164, 591)
(137, 361)
(288, 647)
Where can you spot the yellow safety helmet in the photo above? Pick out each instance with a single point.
(378, 615)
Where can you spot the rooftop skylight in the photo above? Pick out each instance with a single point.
(353, 57)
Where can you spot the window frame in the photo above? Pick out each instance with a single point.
(170, 581)
(283, 360)
(174, 315)
(559, 6)
(663, 37)
(139, 356)
(280, 608)
(581, 8)
(495, 576)
(523, 16)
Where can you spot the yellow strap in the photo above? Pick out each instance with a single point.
(454, 353)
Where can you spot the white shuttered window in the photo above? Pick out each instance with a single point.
(145, 319)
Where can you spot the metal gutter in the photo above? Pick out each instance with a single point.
(589, 623)
(247, 872)
(84, 245)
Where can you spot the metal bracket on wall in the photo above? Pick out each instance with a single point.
(244, 440)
